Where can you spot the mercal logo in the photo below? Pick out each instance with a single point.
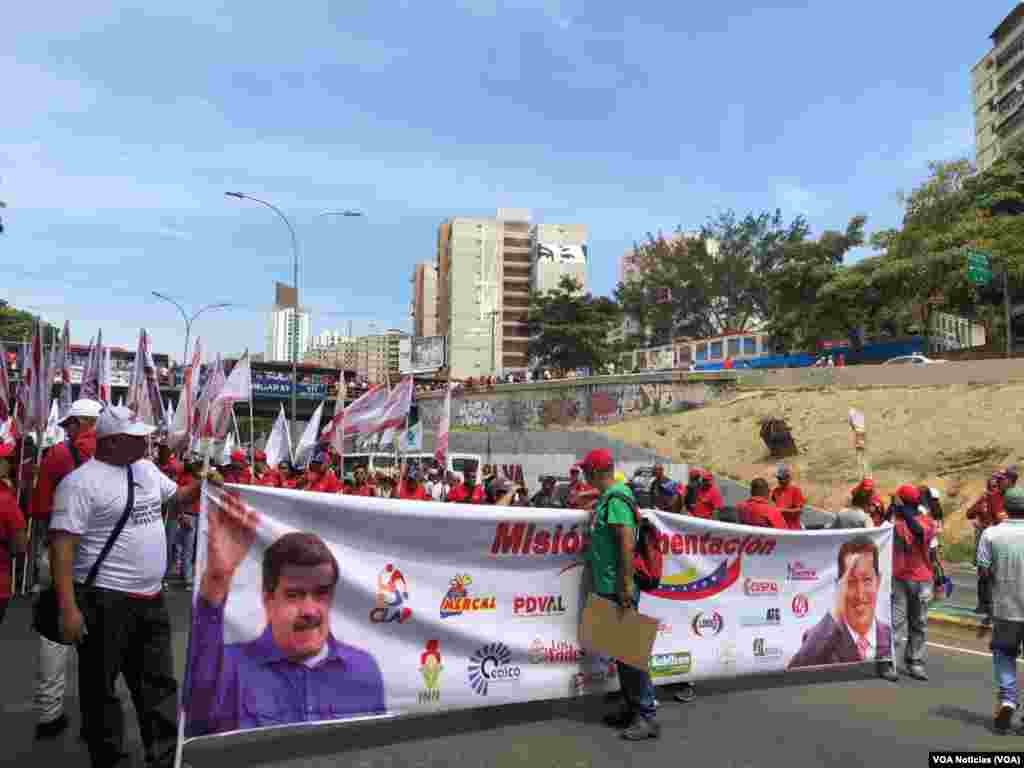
(554, 652)
(801, 606)
(392, 594)
(530, 606)
(458, 601)
(799, 572)
(489, 666)
(760, 588)
(430, 669)
(708, 624)
(690, 585)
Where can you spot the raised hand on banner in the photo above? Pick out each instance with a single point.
(231, 533)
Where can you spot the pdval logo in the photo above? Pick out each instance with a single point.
(689, 585)
(490, 666)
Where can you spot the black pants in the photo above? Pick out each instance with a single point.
(3, 608)
(129, 636)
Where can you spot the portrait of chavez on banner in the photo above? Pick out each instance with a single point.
(296, 670)
(850, 632)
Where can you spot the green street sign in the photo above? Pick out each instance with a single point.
(978, 275)
(978, 259)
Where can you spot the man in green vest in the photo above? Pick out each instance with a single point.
(610, 557)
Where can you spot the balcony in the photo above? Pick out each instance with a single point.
(517, 242)
(1010, 52)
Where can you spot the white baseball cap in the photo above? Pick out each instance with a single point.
(118, 420)
(87, 409)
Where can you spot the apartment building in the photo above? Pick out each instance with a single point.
(997, 89)
(424, 300)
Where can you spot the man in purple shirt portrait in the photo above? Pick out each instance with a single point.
(296, 671)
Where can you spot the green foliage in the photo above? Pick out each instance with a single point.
(18, 325)
(569, 329)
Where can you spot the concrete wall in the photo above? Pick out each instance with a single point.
(941, 374)
(602, 400)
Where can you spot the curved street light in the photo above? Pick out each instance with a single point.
(293, 342)
(189, 320)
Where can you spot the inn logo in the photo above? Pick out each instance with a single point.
(491, 665)
(708, 624)
(799, 572)
(430, 669)
(538, 606)
(689, 584)
(772, 617)
(458, 601)
(392, 595)
(670, 664)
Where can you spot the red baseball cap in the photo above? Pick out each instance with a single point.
(706, 475)
(238, 456)
(909, 494)
(867, 484)
(598, 460)
(694, 472)
(6, 450)
(261, 456)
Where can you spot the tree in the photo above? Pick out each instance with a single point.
(569, 329)
(18, 325)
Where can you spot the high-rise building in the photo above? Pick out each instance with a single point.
(288, 329)
(483, 292)
(424, 300)
(997, 87)
(332, 348)
(558, 250)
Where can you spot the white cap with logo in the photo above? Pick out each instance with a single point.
(86, 409)
(118, 420)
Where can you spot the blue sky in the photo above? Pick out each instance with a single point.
(122, 128)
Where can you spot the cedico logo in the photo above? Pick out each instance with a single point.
(670, 664)
(765, 652)
(772, 617)
(458, 601)
(537, 606)
(430, 669)
(708, 624)
(799, 572)
(801, 606)
(760, 588)
(490, 665)
(560, 652)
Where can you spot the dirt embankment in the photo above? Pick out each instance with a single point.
(951, 438)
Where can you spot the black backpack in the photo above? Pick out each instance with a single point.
(648, 562)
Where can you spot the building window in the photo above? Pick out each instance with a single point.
(702, 352)
(716, 350)
(750, 347)
(734, 347)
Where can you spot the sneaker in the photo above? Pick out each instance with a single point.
(986, 621)
(888, 672)
(686, 694)
(52, 729)
(1003, 716)
(621, 719)
(917, 672)
(642, 730)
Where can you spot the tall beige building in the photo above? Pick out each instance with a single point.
(424, 300)
(483, 291)
(997, 83)
(373, 357)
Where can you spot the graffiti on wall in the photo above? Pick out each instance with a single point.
(566, 406)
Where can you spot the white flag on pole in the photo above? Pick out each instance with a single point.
(64, 370)
(308, 441)
(5, 387)
(235, 390)
(441, 449)
(54, 433)
(279, 446)
(229, 447)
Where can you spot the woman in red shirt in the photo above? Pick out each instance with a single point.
(13, 536)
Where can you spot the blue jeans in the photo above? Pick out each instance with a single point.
(185, 546)
(637, 688)
(171, 526)
(1006, 643)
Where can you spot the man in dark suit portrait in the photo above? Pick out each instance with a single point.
(850, 633)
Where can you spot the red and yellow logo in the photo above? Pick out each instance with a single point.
(458, 601)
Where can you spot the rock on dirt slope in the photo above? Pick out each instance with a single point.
(951, 438)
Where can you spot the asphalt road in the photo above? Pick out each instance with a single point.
(841, 719)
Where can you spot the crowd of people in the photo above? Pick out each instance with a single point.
(119, 624)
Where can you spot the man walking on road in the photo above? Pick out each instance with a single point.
(610, 557)
(912, 579)
(1001, 557)
(119, 621)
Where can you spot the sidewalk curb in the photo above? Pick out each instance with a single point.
(956, 621)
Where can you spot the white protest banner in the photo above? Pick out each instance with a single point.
(397, 618)
(279, 447)
(308, 442)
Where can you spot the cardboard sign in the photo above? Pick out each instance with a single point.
(626, 636)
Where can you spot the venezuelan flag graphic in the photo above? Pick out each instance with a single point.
(688, 585)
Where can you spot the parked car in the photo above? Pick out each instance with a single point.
(912, 360)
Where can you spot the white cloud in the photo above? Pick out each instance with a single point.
(794, 199)
(174, 234)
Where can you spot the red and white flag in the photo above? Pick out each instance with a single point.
(237, 389)
(106, 375)
(32, 412)
(64, 371)
(143, 391)
(5, 387)
(181, 429)
(441, 449)
(214, 384)
(396, 407)
(90, 387)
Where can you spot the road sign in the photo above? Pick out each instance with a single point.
(979, 267)
(978, 275)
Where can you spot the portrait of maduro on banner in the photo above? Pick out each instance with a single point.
(296, 670)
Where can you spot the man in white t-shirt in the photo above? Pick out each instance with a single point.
(119, 623)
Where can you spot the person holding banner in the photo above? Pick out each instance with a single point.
(850, 632)
(912, 581)
(295, 671)
(789, 498)
(610, 558)
(758, 510)
(238, 471)
(319, 478)
(263, 474)
(13, 537)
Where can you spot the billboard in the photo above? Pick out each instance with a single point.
(562, 254)
(421, 354)
(272, 384)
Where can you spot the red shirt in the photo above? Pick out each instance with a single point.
(184, 480)
(171, 469)
(708, 500)
(758, 511)
(325, 483)
(269, 479)
(11, 522)
(55, 467)
(790, 497)
(363, 490)
(581, 496)
(420, 494)
(241, 476)
(459, 494)
(912, 565)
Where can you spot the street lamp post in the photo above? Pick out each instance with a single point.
(189, 320)
(293, 341)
